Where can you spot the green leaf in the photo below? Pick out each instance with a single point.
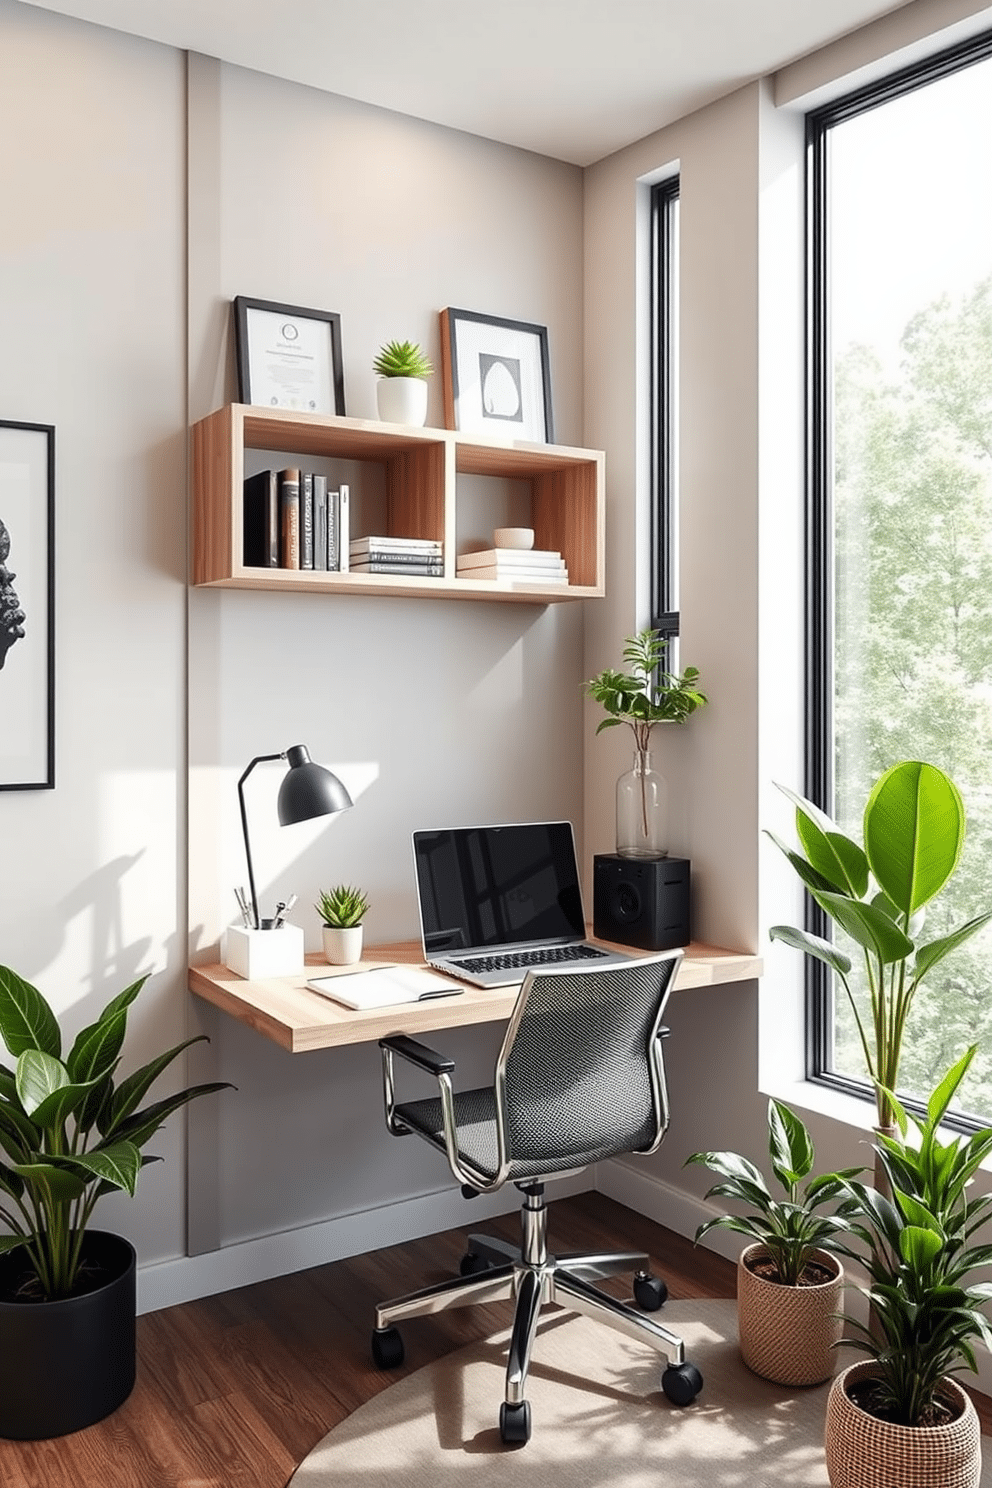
(60, 1185)
(118, 1165)
(813, 880)
(97, 1048)
(10, 1242)
(789, 1145)
(26, 1020)
(840, 861)
(143, 1125)
(942, 1096)
(38, 1075)
(131, 1092)
(928, 956)
(919, 1247)
(867, 925)
(914, 829)
(812, 945)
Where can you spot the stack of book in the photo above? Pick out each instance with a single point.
(397, 555)
(518, 565)
(293, 520)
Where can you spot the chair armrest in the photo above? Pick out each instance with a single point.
(419, 1054)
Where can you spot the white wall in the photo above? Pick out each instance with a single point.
(431, 712)
(91, 325)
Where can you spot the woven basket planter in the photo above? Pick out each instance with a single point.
(787, 1333)
(863, 1452)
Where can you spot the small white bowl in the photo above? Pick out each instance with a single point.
(513, 537)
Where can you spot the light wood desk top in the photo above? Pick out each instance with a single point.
(285, 1010)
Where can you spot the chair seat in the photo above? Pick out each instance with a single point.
(475, 1116)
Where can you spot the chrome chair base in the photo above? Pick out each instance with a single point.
(495, 1271)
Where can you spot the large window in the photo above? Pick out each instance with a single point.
(664, 412)
(900, 536)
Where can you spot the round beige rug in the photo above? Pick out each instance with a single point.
(599, 1418)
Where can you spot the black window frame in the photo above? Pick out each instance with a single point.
(818, 722)
(664, 495)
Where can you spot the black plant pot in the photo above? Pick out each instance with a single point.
(67, 1363)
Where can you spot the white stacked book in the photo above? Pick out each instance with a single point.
(412, 556)
(517, 565)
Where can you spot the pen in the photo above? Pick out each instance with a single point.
(239, 894)
(282, 910)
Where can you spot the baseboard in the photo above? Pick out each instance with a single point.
(167, 1283)
(673, 1207)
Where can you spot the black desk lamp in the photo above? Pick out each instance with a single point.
(307, 791)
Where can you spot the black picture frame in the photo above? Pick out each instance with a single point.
(303, 372)
(497, 376)
(27, 605)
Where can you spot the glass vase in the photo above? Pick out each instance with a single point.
(642, 810)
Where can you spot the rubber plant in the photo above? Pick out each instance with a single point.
(876, 894)
(69, 1132)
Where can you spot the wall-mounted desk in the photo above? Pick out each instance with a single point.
(285, 1010)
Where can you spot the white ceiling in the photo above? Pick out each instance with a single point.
(573, 79)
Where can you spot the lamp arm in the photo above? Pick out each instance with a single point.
(258, 760)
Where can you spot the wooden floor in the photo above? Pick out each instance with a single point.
(233, 1391)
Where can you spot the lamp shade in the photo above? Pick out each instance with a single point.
(308, 789)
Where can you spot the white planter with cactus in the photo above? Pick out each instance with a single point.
(401, 392)
(342, 910)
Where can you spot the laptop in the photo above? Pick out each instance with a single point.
(497, 902)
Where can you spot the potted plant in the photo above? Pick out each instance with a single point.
(401, 392)
(642, 697)
(901, 1417)
(70, 1131)
(789, 1278)
(876, 894)
(342, 910)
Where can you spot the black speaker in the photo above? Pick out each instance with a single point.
(641, 902)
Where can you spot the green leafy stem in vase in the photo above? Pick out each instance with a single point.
(645, 695)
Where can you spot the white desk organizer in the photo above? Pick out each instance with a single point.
(257, 954)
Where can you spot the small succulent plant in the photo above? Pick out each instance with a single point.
(342, 907)
(402, 359)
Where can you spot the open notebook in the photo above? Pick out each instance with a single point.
(384, 986)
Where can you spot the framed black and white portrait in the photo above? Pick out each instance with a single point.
(27, 606)
(497, 376)
(288, 357)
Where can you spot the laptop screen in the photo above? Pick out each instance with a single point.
(497, 886)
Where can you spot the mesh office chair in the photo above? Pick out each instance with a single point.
(580, 1077)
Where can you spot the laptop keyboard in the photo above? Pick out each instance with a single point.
(542, 956)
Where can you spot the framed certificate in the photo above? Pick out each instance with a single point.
(288, 357)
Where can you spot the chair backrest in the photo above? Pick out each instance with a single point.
(580, 1076)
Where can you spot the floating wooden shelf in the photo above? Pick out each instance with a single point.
(422, 467)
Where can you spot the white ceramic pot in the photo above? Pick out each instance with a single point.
(402, 400)
(788, 1333)
(342, 947)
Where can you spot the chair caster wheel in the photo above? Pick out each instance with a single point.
(387, 1348)
(682, 1383)
(514, 1423)
(473, 1264)
(649, 1291)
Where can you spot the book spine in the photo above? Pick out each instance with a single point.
(433, 570)
(306, 519)
(344, 525)
(390, 555)
(289, 519)
(396, 544)
(333, 543)
(320, 522)
(261, 521)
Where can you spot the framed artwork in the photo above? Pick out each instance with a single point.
(27, 606)
(497, 376)
(288, 357)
